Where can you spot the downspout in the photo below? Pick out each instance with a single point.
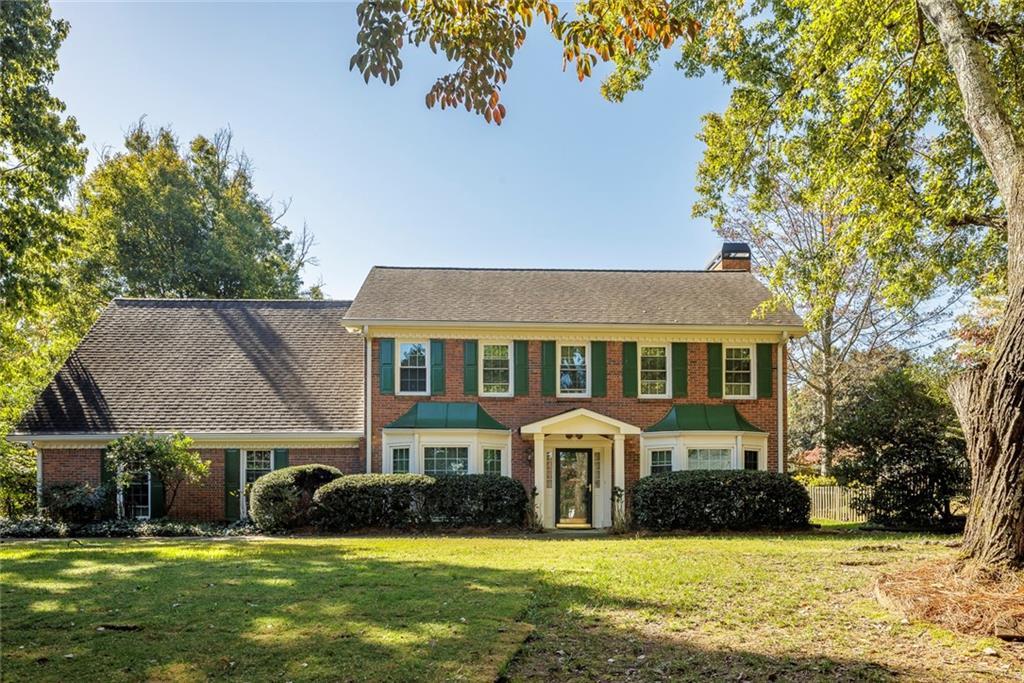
(39, 478)
(780, 402)
(367, 413)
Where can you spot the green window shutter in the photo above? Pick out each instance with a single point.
(599, 369)
(521, 353)
(386, 350)
(629, 371)
(157, 498)
(547, 368)
(470, 350)
(106, 471)
(764, 370)
(679, 360)
(232, 483)
(280, 458)
(437, 367)
(714, 371)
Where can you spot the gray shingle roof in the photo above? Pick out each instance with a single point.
(208, 365)
(726, 298)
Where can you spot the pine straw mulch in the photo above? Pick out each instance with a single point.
(935, 592)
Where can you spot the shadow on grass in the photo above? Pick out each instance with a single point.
(294, 610)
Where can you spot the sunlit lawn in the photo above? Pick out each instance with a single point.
(754, 607)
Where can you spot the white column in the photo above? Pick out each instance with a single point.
(540, 466)
(619, 468)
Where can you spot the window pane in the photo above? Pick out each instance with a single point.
(136, 502)
(257, 463)
(492, 461)
(750, 460)
(412, 373)
(400, 460)
(445, 460)
(497, 369)
(709, 458)
(738, 371)
(661, 461)
(573, 369)
(653, 371)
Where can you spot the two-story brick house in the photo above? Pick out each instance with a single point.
(575, 382)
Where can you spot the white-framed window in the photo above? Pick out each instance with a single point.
(661, 460)
(496, 369)
(738, 369)
(439, 460)
(256, 463)
(573, 369)
(413, 367)
(492, 461)
(655, 371)
(400, 459)
(709, 459)
(138, 496)
(751, 459)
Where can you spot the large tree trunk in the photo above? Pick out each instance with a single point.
(990, 400)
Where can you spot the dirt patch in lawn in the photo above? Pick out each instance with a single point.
(935, 592)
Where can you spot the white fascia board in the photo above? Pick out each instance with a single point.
(339, 435)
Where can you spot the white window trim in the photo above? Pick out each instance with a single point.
(668, 369)
(762, 458)
(511, 369)
(558, 370)
(716, 446)
(753, 372)
(398, 366)
(502, 455)
(390, 464)
(650, 457)
(470, 469)
(243, 457)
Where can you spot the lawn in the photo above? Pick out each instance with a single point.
(742, 607)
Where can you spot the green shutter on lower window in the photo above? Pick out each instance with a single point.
(280, 458)
(386, 361)
(157, 497)
(470, 351)
(521, 354)
(547, 368)
(679, 370)
(106, 471)
(437, 367)
(232, 483)
(629, 371)
(714, 371)
(598, 369)
(764, 370)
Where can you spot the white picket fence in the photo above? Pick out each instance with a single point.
(835, 503)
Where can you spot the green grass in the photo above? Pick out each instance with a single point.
(798, 607)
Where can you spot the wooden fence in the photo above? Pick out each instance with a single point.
(835, 503)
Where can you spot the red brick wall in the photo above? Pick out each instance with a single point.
(517, 411)
(200, 502)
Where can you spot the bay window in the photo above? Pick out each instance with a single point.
(709, 459)
(441, 460)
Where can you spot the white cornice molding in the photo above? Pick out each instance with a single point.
(563, 332)
(337, 439)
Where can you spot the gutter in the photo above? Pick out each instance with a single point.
(356, 326)
(100, 437)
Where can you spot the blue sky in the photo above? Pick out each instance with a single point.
(568, 180)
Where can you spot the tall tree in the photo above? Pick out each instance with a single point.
(176, 223)
(909, 113)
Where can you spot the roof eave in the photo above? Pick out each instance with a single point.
(360, 324)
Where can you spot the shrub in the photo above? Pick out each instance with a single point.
(75, 502)
(704, 500)
(283, 499)
(476, 500)
(32, 527)
(379, 501)
(42, 527)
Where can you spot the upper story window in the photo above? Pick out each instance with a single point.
(413, 368)
(654, 371)
(573, 370)
(739, 372)
(496, 370)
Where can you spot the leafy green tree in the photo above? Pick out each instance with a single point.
(169, 458)
(187, 223)
(904, 118)
(907, 446)
(41, 154)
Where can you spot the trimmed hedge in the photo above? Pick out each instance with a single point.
(43, 527)
(403, 501)
(476, 500)
(283, 499)
(705, 500)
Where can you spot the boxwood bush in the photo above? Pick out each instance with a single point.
(404, 501)
(377, 501)
(476, 500)
(283, 499)
(706, 500)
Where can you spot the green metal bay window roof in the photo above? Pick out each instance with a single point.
(437, 415)
(703, 418)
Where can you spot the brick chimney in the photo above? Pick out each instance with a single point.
(733, 256)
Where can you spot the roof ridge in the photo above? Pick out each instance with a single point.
(562, 270)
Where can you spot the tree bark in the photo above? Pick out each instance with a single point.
(990, 401)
